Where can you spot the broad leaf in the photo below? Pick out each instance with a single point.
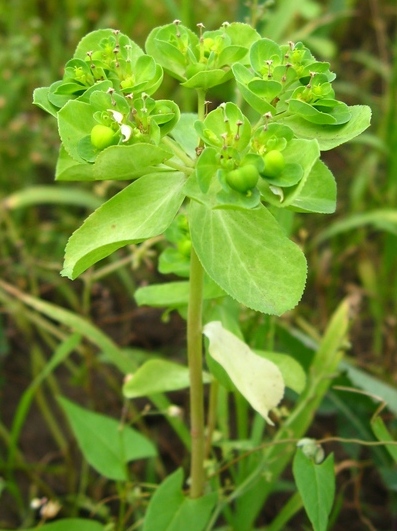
(105, 444)
(185, 134)
(40, 98)
(259, 380)
(158, 376)
(128, 162)
(75, 121)
(68, 169)
(248, 255)
(319, 191)
(330, 136)
(316, 485)
(142, 210)
(172, 294)
(171, 510)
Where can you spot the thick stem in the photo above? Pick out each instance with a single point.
(195, 360)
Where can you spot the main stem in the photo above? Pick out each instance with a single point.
(195, 360)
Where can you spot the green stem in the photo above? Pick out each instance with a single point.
(195, 360)
(178, 151)
(211, 416)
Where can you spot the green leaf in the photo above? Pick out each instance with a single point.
(372, 385)
(293, 374)
(263, 50)
(105, 443)
(48, 194)
(330, 136)
(129, 162)
(173, 294)
(207, 79)
(316, 485)
(142, 210)
(158, 376)
(383, 434)
(248, 255)
(68, 169)
(185, 134)
(91, 42)
(40, 98)
(170, 510)
(382, 219)
(69, 524)
(318, 193)
(75, 121)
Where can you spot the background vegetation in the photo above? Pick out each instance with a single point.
(351, 253)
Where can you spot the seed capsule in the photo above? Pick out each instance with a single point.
(274, 163)
(102, 136)
(243, 178)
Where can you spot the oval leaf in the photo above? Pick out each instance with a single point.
(142, 210)
(105, 446)
(248, 255)
(259, 380)
(158, 376)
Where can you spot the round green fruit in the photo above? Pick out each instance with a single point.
(274, 163)
(243, 179)
(102, 136)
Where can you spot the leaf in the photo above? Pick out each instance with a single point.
(316, 485)
(69, 524)
(105, 444)
(330, 136)
(382, 434)
(142, 210)
(128, 162)
(259, 380)
(170, 510)
(318, 193)
(68, 169)
(293, 374)
(173, 294)
(185, 134)
(248, 255)
(158, 376)
(382, 219)
(207, 79)
(75, 121)
(91, 42)
(40, 98)
(372, 385)
(61, 195)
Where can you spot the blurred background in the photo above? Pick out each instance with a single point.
(352, 252)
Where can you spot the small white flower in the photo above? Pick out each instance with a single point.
(126, 131)
(117, 116)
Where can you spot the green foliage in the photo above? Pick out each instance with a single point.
(316, 485)
(170, 509)
(106, 444)
(111, 126)
(222, 184)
